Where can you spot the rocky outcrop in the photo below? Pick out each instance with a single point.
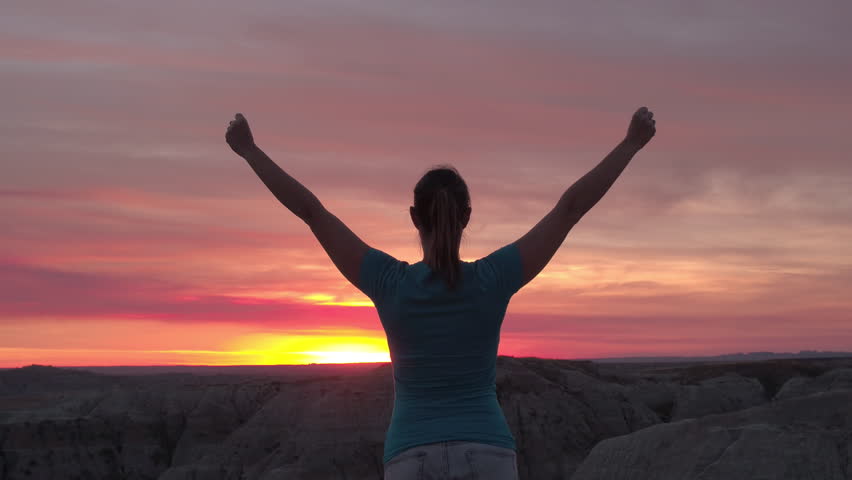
(659, 396)
(728, 393)
(840, 379)
(64, 424)
(181, 426)
(800, 438)
(559, 411)
(673, 401)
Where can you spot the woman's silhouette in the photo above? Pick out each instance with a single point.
(442, 316)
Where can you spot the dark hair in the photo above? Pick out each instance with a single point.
(440, 200)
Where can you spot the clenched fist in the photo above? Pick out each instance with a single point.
(239, 135)
(642, 127)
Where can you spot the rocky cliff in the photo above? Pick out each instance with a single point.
(571, 419)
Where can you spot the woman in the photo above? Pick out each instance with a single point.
(441, 315)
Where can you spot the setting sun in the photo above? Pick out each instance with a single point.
(349, 356)
(270, 349)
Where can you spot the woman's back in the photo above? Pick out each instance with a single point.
(443, 344)
(443, 341)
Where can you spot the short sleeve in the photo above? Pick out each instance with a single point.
(504, 268)
(379, 274)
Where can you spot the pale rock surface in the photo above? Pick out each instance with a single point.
(800, 438)
(840, 379)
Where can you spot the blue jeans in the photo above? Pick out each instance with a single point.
(453, 460)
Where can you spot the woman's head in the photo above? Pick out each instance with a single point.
(441, 211)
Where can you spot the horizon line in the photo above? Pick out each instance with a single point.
(800, 352)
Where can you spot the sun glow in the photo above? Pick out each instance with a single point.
(271, 349)
(348, 357)
(323, 299)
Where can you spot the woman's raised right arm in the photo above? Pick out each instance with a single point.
(539, 245)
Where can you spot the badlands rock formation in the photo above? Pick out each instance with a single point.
(571, 419)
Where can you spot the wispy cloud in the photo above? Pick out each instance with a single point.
(120, 200)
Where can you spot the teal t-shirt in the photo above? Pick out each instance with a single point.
(443, 346)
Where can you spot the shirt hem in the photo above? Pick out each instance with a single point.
(393, 453)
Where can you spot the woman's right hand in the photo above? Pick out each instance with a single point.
(642, 128)
(239, 135)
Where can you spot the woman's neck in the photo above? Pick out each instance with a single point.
(426, 244)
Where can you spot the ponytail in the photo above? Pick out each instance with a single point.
(446, 220)
(441, 199)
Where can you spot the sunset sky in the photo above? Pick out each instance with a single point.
(132, 235)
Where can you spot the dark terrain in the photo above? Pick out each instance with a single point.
(572, 419)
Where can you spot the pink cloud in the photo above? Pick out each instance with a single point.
(121, 199)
